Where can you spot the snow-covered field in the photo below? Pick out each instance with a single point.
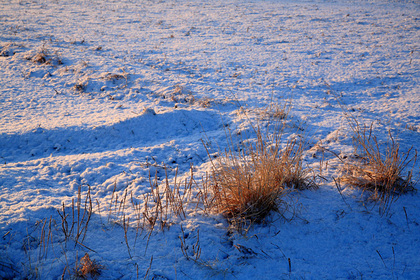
(96, 94)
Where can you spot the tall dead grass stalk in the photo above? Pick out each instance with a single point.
(81, 214)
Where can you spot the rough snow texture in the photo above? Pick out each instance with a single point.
(97, 93)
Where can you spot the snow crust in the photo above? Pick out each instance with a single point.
(99, 93)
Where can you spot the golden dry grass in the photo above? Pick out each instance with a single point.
(378, 172)
(87, 268)
(248, 181)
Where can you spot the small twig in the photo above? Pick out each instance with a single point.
(150, 266)
(393, 253)
(42, 240)
(64, 272)
(78, 213)
(197, 247)
(183, 249)
(72, 221)
(126, 224)
(337, 185)
(89, 212)
(148, 236)
(86, 246)
(111, 201)
(406, 216)
(137, 271)
(381, 258)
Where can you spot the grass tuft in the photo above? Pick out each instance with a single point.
(43, 56)
(377, 172)
(251, 179)
(87, 268)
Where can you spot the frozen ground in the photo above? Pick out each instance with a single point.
(98, 93)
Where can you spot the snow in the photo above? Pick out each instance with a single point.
(97, 94)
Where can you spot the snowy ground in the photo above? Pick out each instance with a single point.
(98, 93)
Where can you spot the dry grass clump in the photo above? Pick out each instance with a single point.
(113, 77)
(275, 112)
(40, 57)
(378, 173)
(181, 95)
(87, 268)
(177, 94)
(250, 180)
(81, 85)
(375, 170)
(9, 49)
(205, 102)
(43, 56)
